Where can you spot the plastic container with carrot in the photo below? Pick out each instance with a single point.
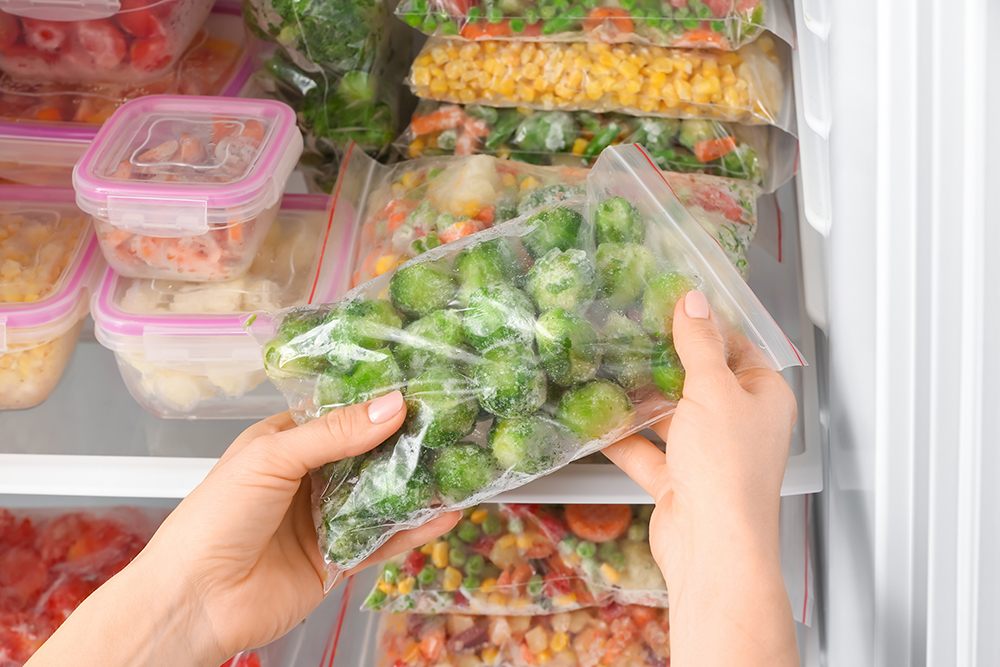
(187, 187)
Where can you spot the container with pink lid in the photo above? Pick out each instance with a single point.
(48, 258)
(187, 187)
(181, 346)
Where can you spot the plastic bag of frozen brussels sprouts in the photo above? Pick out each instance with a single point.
(518, 349)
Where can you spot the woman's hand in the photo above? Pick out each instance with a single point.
(237, 564)
(717, 488)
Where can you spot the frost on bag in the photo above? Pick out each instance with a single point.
(763, 155)
(752, 85)
(612, 636)
(518, 350)
(414, 206)
(526, 560)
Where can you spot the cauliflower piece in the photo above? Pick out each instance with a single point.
(177, 391)
(237, 384)
(262, 294)
(142, 298)
(641, 572)
(472, 183)
(210, 298)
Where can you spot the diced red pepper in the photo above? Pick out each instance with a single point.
(520, 510)
(484, 545)
(555, 585)
(149, 55)
(413, 563)
(611, 611)
(553, 527)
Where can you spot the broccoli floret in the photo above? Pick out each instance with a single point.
(435, 339)
(348, 536)
(524, 444)
(294, 351)
(547, 132)
(509, 381)
(627, 352)
(499, 315)
(545, 195)
(569, 347)
(618, 221)
(694, 131)
(595, 409)
(441, 408)
(420, 289)
(348, 114)
(668, 373)
(484, 264)
(558, 227)
(659, 300)
(463, 469)
(622, 272)
(656, 134)
(374, 375)
(562, 280)
(392, 485)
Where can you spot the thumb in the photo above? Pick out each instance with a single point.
(699, 344)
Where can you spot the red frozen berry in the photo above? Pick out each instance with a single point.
(149, 55)
(103, 41)
(10, 30)
(45, 35)
(137, 19)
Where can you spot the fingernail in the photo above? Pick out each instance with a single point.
(696, 305)
(383, 409)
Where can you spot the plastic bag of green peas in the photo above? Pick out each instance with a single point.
(518, 350)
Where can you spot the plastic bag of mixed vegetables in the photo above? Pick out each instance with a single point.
(763, 155)
(527, 559)
(402, 211)
(554, 327)
(752, 85)
(691, 24)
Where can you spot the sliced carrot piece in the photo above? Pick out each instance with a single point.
(598, 523)
(713, 149)
(700, 38)
(254, 131)
(444, 118)
(617, 17)
(49, 113)
(396, 220)
(165, 151)
(235, 232)
(222, 128)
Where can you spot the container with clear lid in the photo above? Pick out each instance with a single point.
(41, 154)
(181, 346)
(48, 257)
(186, 188)
(107, 41)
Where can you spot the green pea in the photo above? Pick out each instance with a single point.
(390, 573)
(703, 12)
(375, 600)
(427, 575)
(421, 6)
(567, 545)
(429, 25)
(454, 542)
(456, 558)
(586, 549)
(717, 26)
(517, 25)
(617, 561)
(475, 564)
(475, 13)
(628, 5)
(471, 583)
(492, 525)
(637, 532)
(690, 24)
(534, 586)
(607, 549)
(531, 16)
(414, 20)
(494, 15)
(468, 532)
(548, 12)
(449, 28)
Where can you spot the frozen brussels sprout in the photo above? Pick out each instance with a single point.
(659, 300)
(441, 407)
(668, 373)
(547, 195)
(562, 279)
(485, 264)
(524, 444)
(618, 221)
(375, 375)
(509, 381)
(392, 484)
(294, 352)
(499, 315)
(656, 134)
(595, 409)
(365, 322)
(558, 227)
(694, 131)
(435, 339)
(622, 272)
(420, 289)
(462, 469)
(348, 535)
(627, 352)
(569, 347)
(547, 132)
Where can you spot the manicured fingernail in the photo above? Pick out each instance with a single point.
(696, 305)
(383, 409)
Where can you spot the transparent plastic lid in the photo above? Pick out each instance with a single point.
(62, 10)
(174, 166)
(303, 260)
(47, 251)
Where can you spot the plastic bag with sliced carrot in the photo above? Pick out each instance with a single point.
(519, 348)
(752, 85)
(525, 560)
(691, 24)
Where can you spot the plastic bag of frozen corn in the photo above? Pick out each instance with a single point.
(518, 350)
(751, 85)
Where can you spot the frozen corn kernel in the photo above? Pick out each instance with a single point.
(508, 540)
(428, 548)
(411, 653)
(478, 516)
(489, 585)
(489, 655)
(559, 642)
(406, 585)
(452, 579)
(524, 541)
(497, 599)
(386, 587)
(439, 556)
(610, 574)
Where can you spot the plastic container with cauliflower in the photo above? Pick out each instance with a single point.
(186, 188)
(180, 345)
(48, 256)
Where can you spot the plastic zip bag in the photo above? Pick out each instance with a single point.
(763, 155)
(593, 286)
(695, 24)
(525, 560)
(752, 85)
(406, 209)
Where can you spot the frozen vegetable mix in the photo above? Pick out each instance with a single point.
(744, 86)
(521, 389)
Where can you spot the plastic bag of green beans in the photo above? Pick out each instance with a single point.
(518, 350)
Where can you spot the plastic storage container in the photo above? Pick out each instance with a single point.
(48, 256)
(132, 41)
(186, 188)
(181, 347)
(41, 155)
